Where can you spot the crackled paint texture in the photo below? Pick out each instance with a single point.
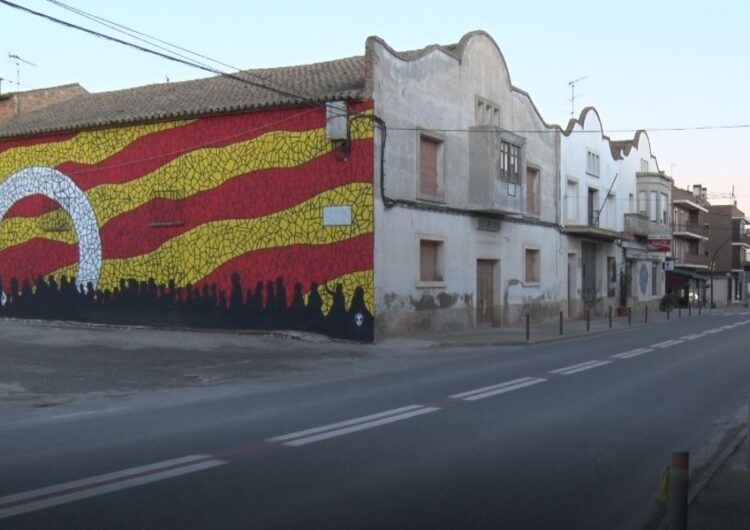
(217, 221)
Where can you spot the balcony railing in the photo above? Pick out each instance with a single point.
(698, 260)
(690, 228)
(639, 225)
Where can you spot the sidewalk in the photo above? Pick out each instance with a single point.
(724, 504)
(541, 332)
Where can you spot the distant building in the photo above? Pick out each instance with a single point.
(14, 103)
(690, 231)
(729, 252)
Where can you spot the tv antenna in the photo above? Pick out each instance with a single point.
(19, 60)
(573, 94)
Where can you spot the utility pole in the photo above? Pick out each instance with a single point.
(573, 94)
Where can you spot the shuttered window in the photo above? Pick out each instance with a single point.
(429, 150)
(429, 265)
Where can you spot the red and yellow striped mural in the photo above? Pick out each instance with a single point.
(189, 206)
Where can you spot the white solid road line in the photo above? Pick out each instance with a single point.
(580, 367)
(693, 336)
(667, 343)
(502, 389)
(713, 331)
(39, 499)
(325, 432)
(632, 353)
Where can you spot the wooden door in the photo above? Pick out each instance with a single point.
(485, 292)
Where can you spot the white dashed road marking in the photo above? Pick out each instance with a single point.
(574, 369)
(692, 337)
(667, 343)
(317, 434)
(31, 501)
(632, 353)
(500, 388)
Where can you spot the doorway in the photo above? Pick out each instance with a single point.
(486, 292)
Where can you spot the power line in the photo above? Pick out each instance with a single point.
(187, 62)
(552, 130)
(151, 40)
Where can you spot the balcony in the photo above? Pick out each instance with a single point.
(698, 261)
(690, 231)
(639, 225)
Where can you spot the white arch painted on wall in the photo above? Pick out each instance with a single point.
(61, 189)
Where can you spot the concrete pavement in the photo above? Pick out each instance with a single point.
(170, 356)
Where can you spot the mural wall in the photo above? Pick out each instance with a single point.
(244, 221)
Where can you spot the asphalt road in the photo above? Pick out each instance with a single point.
(565, 435)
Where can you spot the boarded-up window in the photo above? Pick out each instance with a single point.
(532, 265)
(429, 166)
(430, 269)
(532, 191)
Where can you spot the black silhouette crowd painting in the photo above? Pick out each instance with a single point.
(263, 307)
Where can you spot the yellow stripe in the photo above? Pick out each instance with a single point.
(190, 257)
(195, 172)
(349, 282)
(87, 147)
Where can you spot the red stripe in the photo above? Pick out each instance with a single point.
(38, 257)
(25, 142)
(154, 150)
(246, 197)
(296, 263)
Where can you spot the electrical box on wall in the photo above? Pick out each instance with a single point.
(336, 120)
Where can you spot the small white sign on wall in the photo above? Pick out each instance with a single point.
(337, 216)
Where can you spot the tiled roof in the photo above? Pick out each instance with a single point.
(342, 79)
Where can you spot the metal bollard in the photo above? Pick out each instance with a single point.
(610, 317)
(588, 320)
(667, 312)
(679, 312)
(561, 323)
(690, 310)
(630, 316)
(528, 328)
(699, 309)
(677, 504)
(646, 315)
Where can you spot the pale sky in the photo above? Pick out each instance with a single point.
(649, 64)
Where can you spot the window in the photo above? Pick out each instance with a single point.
(593, 203)
(642, 206)
(664, 208)
(644, 165)
(430, 171)
(652, 207)
(430, 260)
(532, 191)
(631, 203)
(532, 265)
(510, 156)
(654, 269)
(487, 114)
(612, 269)
(592, 163)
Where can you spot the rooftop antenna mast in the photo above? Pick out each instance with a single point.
(573, 94)
(19, 60)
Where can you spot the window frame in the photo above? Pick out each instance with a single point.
(537, 268)
(439, 165)
(439, 279)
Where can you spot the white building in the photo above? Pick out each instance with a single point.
(468, 229)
